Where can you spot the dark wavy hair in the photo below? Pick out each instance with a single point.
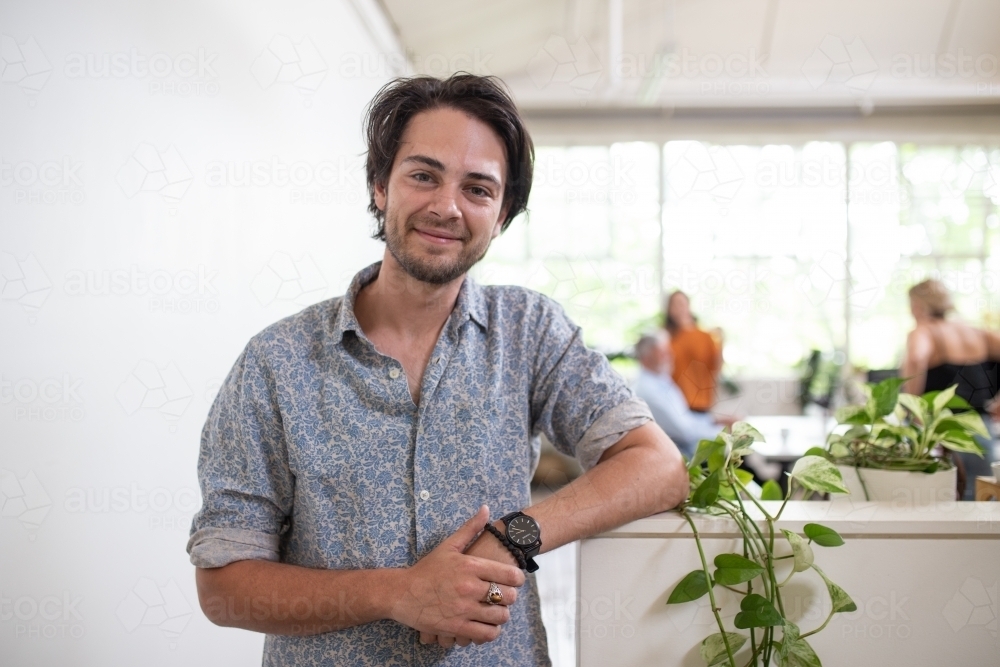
(482, 97)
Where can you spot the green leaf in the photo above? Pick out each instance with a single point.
(817, 451)
(802, 552)
(757, 612)
(771, 491)
(964, 421)
(840, 599)
(823, 536)
(885, 394)
(958, 403)
(795, 652)
(713, 648)
(707, 492)
(705, 448)
(817, 474)
(691, 587)
(916, 406)
(733, 569)
(958, 441)
(741, 429)
(852, 414)
(745, 476)
(942, 398)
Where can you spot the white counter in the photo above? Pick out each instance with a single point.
(924, 579)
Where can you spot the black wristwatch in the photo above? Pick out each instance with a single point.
(523, 532)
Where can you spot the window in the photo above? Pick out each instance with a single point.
(759, 238)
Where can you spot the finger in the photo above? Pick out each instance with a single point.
(502, 573)
(446, 642)
(460, 539)
(479, 633)
(463, 641)
(491, 614)
(427, 638)
(508, 594)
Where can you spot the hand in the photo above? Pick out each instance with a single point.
(486, 546)
(444, 593)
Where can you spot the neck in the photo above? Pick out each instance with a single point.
(397, 301)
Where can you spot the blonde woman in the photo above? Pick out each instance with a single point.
(941, 352)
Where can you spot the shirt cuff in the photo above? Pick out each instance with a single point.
(216, 547)
(609, 429)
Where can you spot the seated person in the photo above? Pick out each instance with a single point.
(941, 352)
(670, 410)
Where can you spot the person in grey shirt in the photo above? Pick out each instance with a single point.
(666, 402)
(365, 467)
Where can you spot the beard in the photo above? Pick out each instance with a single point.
(428, 267)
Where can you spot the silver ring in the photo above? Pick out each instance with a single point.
(494, 595)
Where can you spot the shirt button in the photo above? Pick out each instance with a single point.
(394, 373)
(425, 494)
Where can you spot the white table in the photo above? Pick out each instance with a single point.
(788, 437)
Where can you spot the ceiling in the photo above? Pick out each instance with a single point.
(713, 54)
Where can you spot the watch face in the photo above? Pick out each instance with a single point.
(522, 531)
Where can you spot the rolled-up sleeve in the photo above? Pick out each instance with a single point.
(581, 404)
(246, 485)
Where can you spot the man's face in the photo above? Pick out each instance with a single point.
(443, 202)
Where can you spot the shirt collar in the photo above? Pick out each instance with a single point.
(470, 304)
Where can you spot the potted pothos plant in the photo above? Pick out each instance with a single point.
(897, 445)
(769, 556)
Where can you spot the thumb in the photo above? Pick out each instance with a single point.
(469, 530)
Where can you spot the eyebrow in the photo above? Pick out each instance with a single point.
(437, 164)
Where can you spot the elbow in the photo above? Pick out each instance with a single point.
(211, 597)
(679, 484)
(674, 475)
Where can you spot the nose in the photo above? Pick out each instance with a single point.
(444, 204)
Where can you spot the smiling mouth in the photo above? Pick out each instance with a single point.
(434, 236)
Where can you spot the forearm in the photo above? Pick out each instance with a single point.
(283, 599)
(644, 476)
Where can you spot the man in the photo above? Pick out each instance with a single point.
(345, 457)
(655, 386)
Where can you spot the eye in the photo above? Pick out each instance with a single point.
(479, 191)
(421, 176)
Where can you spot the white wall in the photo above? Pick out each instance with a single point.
(134, 269)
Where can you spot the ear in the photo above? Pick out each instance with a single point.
(499, 225)
(380, 196)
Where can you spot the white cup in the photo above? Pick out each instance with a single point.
(996, 470)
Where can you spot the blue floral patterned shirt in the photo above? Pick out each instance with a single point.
(315, 454)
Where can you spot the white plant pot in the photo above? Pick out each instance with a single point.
(902, 488)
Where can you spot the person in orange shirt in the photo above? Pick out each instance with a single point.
(697, 353)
